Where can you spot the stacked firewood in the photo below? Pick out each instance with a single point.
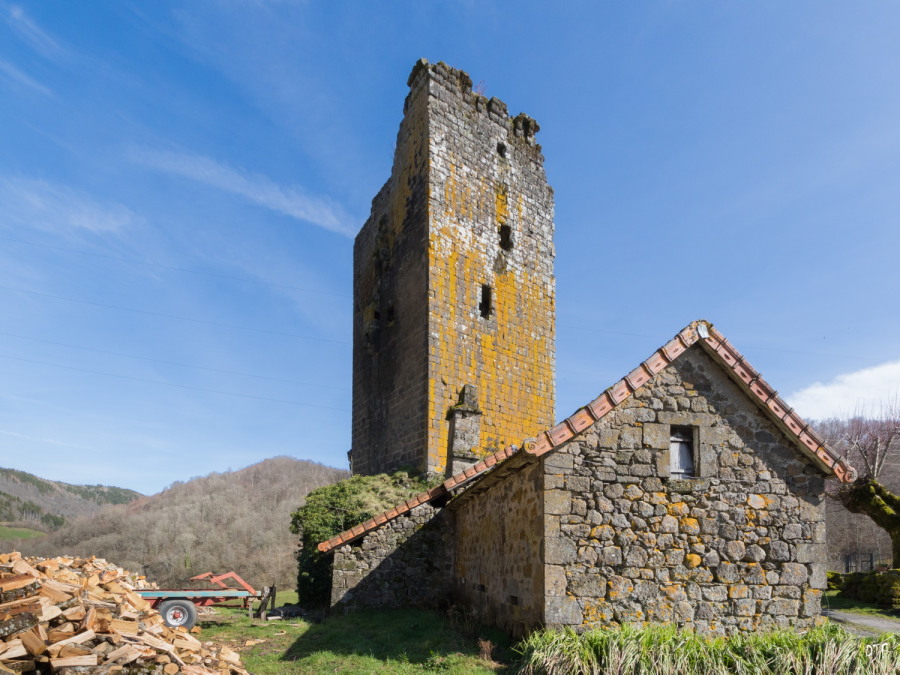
(76, 615)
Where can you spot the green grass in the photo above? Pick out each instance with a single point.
(19, 533)
(833, 601)
(388, 641)
(402, 642)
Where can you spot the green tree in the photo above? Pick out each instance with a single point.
(869, 443)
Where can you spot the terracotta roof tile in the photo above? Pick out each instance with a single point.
(444, 489)
(638, 377)
(601, 405)
(714, 343)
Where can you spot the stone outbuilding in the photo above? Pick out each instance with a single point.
(687, 493)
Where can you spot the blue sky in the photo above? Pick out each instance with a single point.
(180, 183)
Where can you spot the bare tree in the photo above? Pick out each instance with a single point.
(870, 443)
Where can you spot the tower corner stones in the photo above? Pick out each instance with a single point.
(453, 286)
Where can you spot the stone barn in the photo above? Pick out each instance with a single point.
(687, 493)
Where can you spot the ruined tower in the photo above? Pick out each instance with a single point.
(453, 287)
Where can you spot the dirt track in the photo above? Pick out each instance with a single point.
(863, 624)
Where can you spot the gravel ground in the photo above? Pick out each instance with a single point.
(864, 624)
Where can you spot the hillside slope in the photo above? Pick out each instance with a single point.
(237, 520)
(28, 500)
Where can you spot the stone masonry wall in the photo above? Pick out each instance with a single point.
(498, 565)
(453, 281)
(492, 227)
(740, 547)
(390, 309)
(408, 562)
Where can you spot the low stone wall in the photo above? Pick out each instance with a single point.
(408, 562)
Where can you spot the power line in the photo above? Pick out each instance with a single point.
(171, 384)
(173, 363)
(173, 316)
(173, 267)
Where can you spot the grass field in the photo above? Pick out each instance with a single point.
(402, 642)
(390, 641)
(18, 533)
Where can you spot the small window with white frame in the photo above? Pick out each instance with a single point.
(681, 452)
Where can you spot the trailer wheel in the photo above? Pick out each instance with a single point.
(178, 613)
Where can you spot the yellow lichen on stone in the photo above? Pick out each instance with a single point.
(689, 525)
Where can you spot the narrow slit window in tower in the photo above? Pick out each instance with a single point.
(506, 242)
(485, 305)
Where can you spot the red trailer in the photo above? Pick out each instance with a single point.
(178, 606)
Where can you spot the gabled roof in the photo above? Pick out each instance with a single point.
(698, 332)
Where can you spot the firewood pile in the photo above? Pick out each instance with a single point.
(82, 615)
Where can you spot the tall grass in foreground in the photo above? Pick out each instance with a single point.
(664, 651)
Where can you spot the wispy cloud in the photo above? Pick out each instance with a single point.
(50, 441)
(291, 200)
(49, 206)
(30, 32)
(16, 76)
(846, 394)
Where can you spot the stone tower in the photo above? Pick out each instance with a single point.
(453, 286)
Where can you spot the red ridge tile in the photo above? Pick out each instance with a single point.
(809, 441)
(619, 392)
(638, 377)
(794, 423)
(601, 405)
(762, 389)
(778, 407)
(581, 420)
(841, 472)
(688, 335)
(673, 349)
(727, 355)
(560, 433)
(542, 444)
(745, 374)
(825, 456)
(656, 362)
(713, 341)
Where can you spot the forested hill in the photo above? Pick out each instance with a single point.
(239, 520)
(26, 499)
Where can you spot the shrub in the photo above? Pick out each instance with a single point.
(332, 509)
(835, 580)
(880, 588)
